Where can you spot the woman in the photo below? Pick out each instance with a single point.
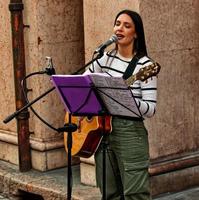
(127, 145)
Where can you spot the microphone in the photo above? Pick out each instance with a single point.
(50, 70)
(106, 44)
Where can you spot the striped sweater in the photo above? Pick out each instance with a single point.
(145, 93)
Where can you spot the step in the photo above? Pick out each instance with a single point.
(48, 185)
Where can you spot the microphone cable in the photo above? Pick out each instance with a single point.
(23, 82)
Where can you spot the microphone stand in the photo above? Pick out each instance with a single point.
(15, 114)
(70, 127)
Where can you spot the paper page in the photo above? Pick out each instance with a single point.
(116, 95)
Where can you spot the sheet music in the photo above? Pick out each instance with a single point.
(116, 95)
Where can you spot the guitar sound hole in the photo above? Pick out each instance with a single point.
(89, 117)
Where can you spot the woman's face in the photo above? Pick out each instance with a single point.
(124, 29)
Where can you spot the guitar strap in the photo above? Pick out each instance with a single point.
(131, 67)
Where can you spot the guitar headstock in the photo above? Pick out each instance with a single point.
(148, 71)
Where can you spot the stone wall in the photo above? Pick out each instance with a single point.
(172, 35)
(7, 96)
(171, 29)
(56, 30)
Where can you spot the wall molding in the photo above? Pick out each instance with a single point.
(39, 145)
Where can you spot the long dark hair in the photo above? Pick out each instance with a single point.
(139, 42)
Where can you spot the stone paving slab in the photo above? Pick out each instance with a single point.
(190, 194)
(3, 198)
(52, 185)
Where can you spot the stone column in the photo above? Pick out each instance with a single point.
(56, 30)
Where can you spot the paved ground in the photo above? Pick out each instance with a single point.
(190, 194)
(3, 198)
(52, 185)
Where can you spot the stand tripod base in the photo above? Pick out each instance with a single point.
(69, 128)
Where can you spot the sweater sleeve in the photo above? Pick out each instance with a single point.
(147, 98)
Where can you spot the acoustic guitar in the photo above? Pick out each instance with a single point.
(90, 129)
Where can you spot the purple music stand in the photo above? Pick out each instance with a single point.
(77, 94)
(79, 98)
(96, 94)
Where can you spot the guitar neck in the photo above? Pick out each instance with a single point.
(144, 73)
(129, 81)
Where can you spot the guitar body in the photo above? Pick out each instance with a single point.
(87, 137)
